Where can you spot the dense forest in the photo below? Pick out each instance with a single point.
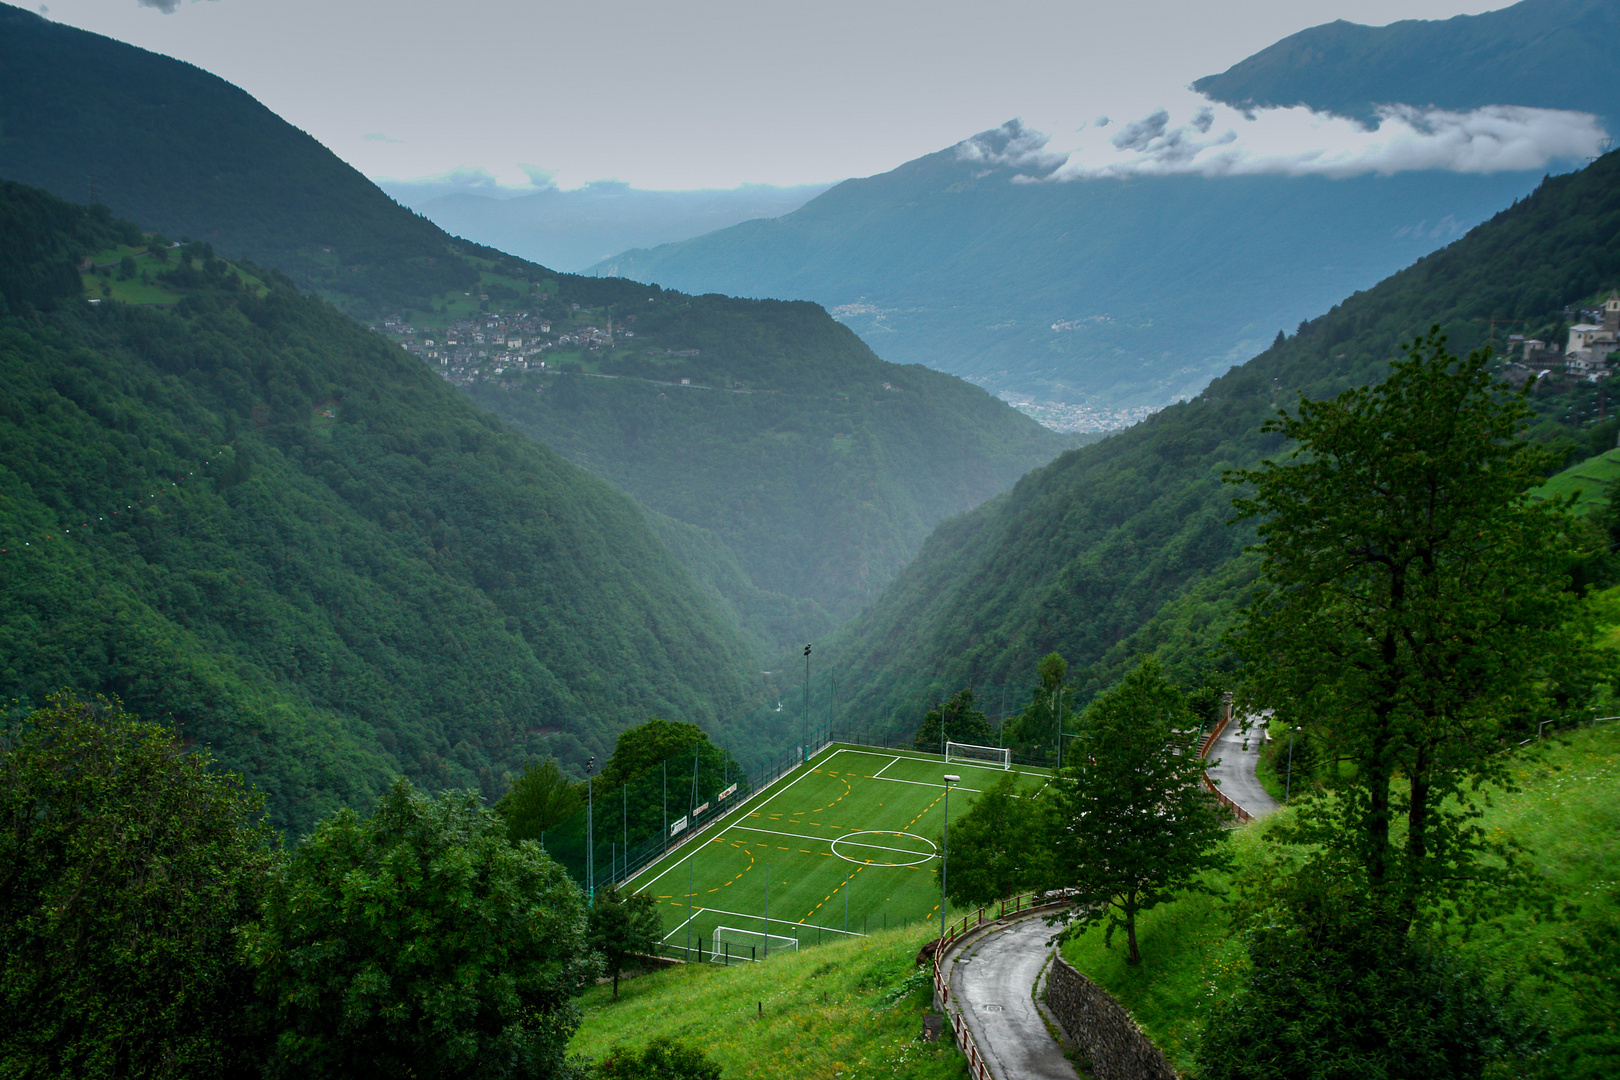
(247, 514)
(1123, 547)
(818, 485)
(820, 467)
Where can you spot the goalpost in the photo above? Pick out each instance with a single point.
(732, 945)
(995, 757)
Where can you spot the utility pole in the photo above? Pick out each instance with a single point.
(590, 833)
(944, 859)
(807, 720)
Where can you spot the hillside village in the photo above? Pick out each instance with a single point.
(1587, 354)
(494, 344)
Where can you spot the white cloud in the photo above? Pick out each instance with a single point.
(1199, 137)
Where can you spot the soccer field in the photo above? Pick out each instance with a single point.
(849, 843)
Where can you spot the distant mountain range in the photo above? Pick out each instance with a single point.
(1549, 54)
(1139, 290)
(573, 230)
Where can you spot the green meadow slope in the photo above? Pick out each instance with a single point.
(1566, 812)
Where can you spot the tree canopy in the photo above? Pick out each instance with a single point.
(418, 940)
(1133, 824)
(955, 720)
(126, 866)
(1414, 610)
(620, 926)
(1000, 847)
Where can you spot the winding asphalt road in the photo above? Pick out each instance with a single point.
(990, 981)
(1235, 773)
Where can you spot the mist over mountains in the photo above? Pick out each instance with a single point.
(1172, 251)
(575, 229)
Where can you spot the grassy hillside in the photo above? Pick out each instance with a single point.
(1565, 812)
(1551, 54)
(241, 511)
(1087, 552)
(852, 1010)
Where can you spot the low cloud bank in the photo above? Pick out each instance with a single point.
(1203, 138)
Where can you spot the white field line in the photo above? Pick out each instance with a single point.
(804, 772)
(922, 783)
(784, 922)
(902, 756)
(840, 839)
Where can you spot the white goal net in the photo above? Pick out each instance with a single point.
(995, 757)
(733, 946)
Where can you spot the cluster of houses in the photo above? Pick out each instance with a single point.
(1591, 351)
(494, 344)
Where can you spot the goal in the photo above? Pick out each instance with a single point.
(994, 757)
(733, 946)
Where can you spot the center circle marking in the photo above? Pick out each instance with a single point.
(924, 856)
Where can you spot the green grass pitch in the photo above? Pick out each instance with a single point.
(856, 830)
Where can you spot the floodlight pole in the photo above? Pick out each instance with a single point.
(944, 855)
(625, 792)
(767, 911)
(590, 833)
(807, 720)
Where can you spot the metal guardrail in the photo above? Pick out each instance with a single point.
(1221, 797)
(977, 1069)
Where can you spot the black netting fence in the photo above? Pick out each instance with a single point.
(625, 827)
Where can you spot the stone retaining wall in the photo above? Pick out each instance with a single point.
(1104, 1030)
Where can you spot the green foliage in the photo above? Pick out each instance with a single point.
(620, 926)
(1337, 990)
(852, 1006)
(128, 865)
(1414, 613)
(351, 572)
(1122, 548)
(1133, 825)
(1047, 714)
(819, 466)
(644, 747)
(537, 800)
(419, 941)
(663, 1058)
(1000, 847)
(954, 720)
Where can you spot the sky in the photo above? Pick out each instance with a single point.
(691, 94)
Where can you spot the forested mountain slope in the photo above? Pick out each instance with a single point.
(821, 467)
(1123, 547)
(1550, 54)
(820, 492)
(243, 512)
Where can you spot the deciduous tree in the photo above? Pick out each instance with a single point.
(1133, 825)
(1415, 610)
(420, 942)
(958, 720)
(620, 926)
(1000, 847)
(127, 864)
(538, 799)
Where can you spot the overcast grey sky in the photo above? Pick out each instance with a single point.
(681, 94)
